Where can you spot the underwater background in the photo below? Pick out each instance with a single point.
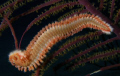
(22, 14)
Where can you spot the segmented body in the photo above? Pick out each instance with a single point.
(51, 34)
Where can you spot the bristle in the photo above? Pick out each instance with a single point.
(51, 34)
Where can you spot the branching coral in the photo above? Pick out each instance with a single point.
(86, 48)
